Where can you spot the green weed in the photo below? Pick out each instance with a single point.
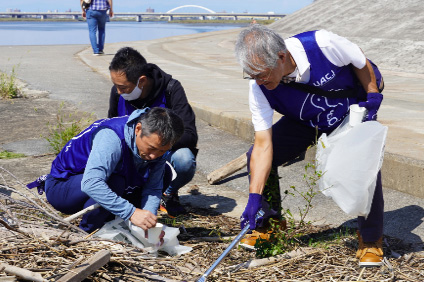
(8, 87)
(10, 155)
(65, 128)
(284, 239)
(300, 232)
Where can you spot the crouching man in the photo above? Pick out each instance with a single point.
(311, 79)
(118, 163)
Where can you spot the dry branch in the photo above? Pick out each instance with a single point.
(261, 262)
(228, 169)
(7, 278)
(22, 273)
(84, 270)
(53, 248)
(82, 212)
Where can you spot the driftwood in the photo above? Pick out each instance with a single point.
(31, 239)
(82, 212)
(7, 278)
(227, 170)
(22, 273)
(36, 201)
(212, 239)
(264, 261)
(84, 270)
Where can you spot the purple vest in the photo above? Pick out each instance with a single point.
(311, 109)
(74, 156)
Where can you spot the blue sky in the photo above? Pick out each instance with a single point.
(236, 6)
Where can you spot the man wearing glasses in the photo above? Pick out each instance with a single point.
(311, 79)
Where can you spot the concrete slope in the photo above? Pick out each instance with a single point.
(389, 31)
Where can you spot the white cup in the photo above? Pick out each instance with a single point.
(154, 233)
(356, 114)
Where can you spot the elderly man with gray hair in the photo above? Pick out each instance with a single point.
(311, 79)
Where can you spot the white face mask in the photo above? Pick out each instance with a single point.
(135, 94)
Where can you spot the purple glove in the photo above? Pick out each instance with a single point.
(372, 105)
(254, 204)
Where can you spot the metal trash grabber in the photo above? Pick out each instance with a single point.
(228, 249)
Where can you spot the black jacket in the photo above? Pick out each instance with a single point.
(178, 103)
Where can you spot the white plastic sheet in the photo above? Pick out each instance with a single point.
(350, 159)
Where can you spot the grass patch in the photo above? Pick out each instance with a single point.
(8, 87)
(10, 155)
(65, 128)
(294, 234)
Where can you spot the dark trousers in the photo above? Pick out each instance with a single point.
(290, 139)
(65, 195)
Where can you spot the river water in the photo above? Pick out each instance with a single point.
(60, 33)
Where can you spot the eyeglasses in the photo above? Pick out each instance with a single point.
(259, 77)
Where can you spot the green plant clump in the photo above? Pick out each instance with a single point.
(286, 239)
(65, 128)
(8, 87)
(10, 155)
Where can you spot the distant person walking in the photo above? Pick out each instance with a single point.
(96, 15)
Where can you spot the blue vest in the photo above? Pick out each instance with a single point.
(74, 156)
(311, 109)
(125, 108)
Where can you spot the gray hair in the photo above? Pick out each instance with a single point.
(164, 122)
(257, 48)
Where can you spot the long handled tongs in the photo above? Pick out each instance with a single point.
(228, 249)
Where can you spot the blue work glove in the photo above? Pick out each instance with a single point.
(372, 105)
(254, 204)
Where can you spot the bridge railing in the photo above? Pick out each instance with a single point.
(140, 15)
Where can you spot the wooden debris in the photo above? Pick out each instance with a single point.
(22, 273)
(43, 243)
(228, 169)
(82, 212)
(261, 262)
(7, 279)
(82, 271)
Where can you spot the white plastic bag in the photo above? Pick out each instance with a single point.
(350, 159)
(171, 244)
(117, 230)
(125, 231)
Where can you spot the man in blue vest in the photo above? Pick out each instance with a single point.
(311, 79)
(118, 163)
(138, 84)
